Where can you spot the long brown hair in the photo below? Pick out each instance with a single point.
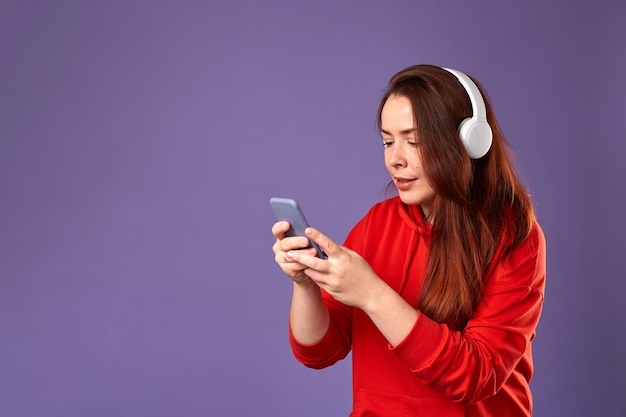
(480, 205)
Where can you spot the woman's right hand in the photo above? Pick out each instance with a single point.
(293, 269)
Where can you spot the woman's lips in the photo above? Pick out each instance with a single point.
(403, 184)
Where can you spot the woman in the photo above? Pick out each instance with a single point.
(436, 291)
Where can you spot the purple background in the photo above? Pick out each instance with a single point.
(140, 143)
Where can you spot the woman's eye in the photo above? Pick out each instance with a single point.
(387, 143)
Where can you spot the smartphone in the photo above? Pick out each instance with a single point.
(289, 210)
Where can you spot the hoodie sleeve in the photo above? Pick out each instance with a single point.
(474, 364)
(337, 342)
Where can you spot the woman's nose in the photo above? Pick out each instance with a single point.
(396, 156)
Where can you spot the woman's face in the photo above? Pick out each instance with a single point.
(402, 153)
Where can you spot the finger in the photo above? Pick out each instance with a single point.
(292, 243)
(327, 244)
(290, 258)
(280, 228)
(283, 243)
(306, 257)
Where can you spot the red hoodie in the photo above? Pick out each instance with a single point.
(483, 370)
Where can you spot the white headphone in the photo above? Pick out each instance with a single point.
(475, 132)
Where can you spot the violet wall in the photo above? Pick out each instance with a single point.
(140, 143)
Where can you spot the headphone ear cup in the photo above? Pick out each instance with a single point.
(476, 136)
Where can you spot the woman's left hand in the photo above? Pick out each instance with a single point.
(345, 275)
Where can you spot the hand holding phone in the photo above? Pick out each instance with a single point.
(287, 209)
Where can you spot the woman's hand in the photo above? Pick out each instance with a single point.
(348, 278)
(284, 245)
(345, 275)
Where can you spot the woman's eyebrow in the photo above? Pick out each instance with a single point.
(402, 132)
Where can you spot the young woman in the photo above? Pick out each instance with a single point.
(436, 291)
